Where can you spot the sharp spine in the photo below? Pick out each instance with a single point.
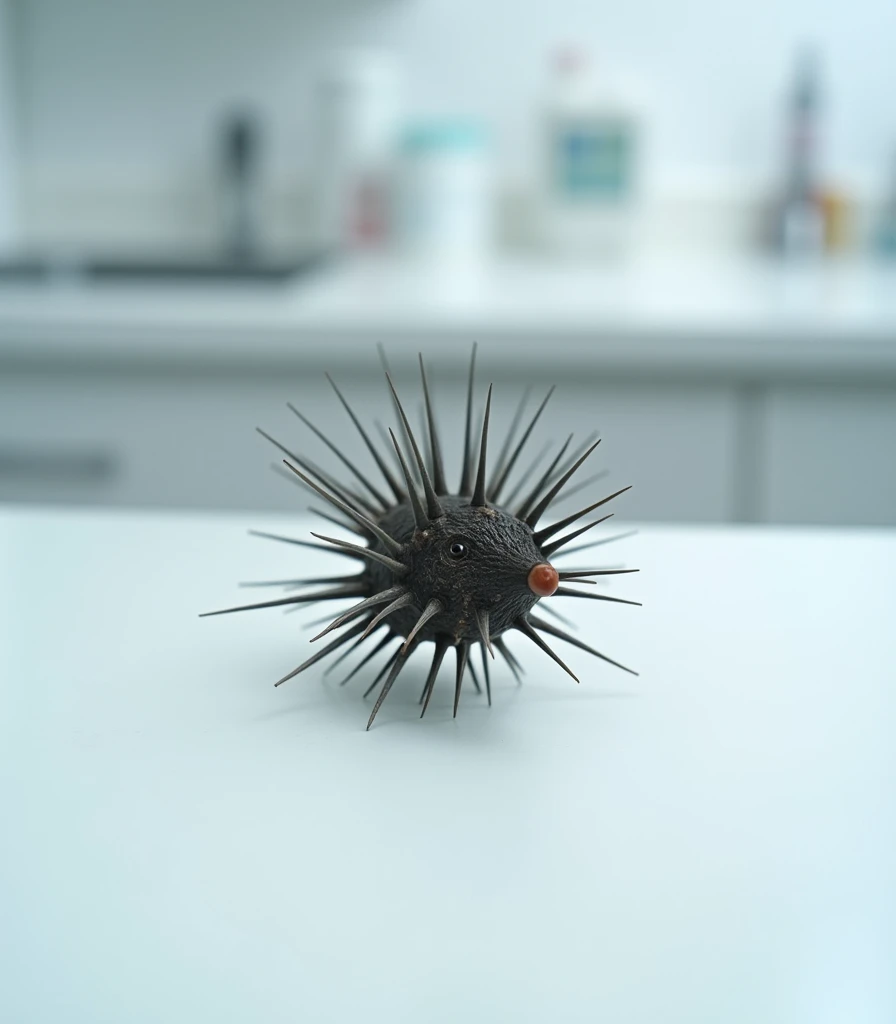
(384, 642)
(462, 650)
(321, 595)
(526, 629)
(566, 592)
(326, 479)
(505, 653)
(442, 646)
(382, 597)
(486, 673)
(397, 666)
(345, 524)
(502, 479)
(332, 646)
(399, 568)
(522, 511)
(587, 482)
(471, 668)
(551, 610)
(467, 467)
(482, 623)
(400, 602)
(381, 465)
(511, 432)
(433, 508)
(549, 531)
(420, 520)
(548, 549)
(479, 499)
(539, 510)
(311, 581)
(600, 543)
(351, 647)
(579, 576)
(297, 542)
(589, 440)
(563, 635)
(521, 483)
(390, 661)
(369, 524)
(352, 468)
(432, 609)
(438, 466)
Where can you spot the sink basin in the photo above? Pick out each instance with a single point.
(160, 269)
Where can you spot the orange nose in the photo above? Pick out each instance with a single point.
(543, 579)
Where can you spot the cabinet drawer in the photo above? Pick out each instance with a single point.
(191, 442)
(829, 455)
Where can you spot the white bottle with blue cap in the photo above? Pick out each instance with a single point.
(591, 152)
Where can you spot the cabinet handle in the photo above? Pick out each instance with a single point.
(93, 467)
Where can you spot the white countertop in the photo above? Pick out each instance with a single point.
(651, 314)
(712, 841)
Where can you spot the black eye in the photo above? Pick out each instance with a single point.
(457, 549)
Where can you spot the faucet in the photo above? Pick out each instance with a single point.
(240, 184)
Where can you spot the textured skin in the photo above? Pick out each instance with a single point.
(493, 576)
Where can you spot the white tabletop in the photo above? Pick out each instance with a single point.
(712, 841)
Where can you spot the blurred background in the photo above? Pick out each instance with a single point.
(682, 213)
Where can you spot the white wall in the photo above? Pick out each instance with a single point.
(116, 90)
(8, 163)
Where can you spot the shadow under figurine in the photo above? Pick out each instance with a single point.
(452, 568)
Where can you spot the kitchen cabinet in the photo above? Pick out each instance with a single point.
(722, 393)
(185, 440)
(829, 455)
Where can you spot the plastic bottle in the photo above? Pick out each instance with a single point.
(358, 110)
(444, 199)
(591, 143)
(801, 229)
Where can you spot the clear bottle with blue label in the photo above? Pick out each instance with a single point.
(591, 143)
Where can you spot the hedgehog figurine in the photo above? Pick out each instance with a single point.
(454, 569)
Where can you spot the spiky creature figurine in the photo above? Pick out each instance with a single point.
(455, 569)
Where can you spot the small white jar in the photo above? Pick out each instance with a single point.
(444, 192)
